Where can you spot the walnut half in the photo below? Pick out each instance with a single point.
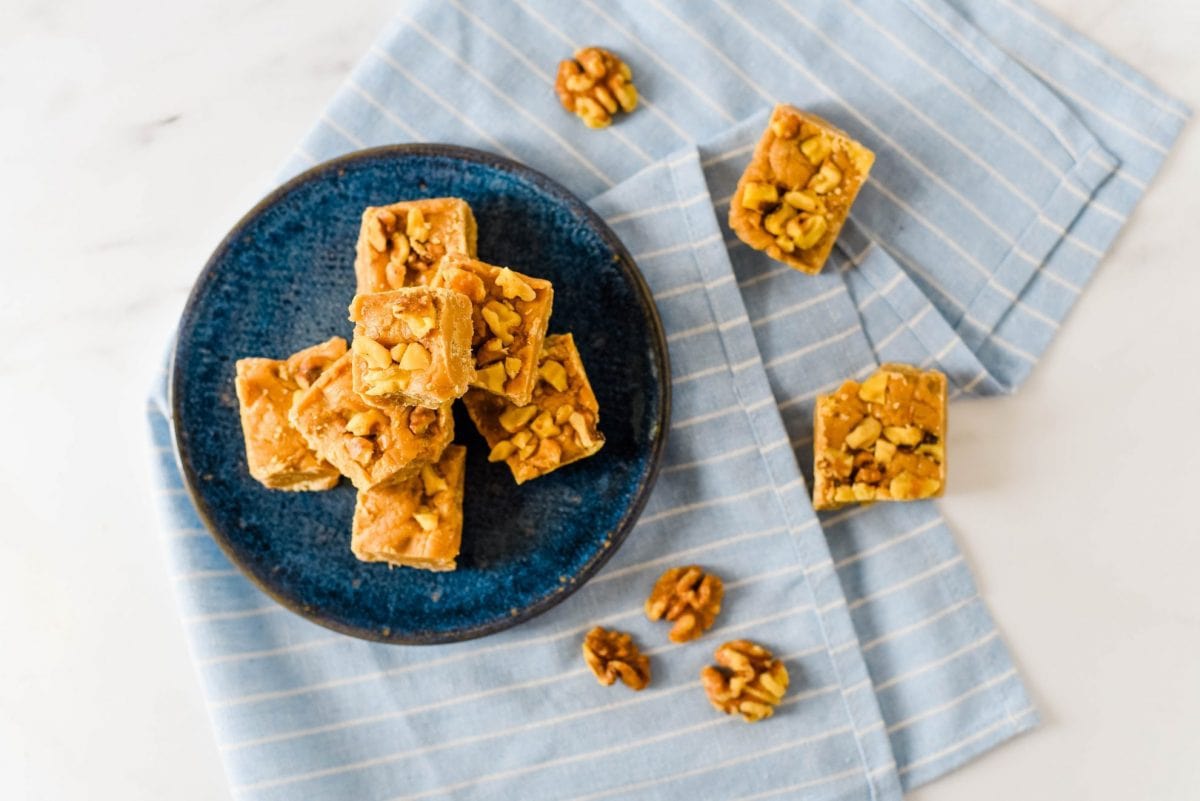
(595, 85)
(613, 655)
(689, 598)
(749, 681)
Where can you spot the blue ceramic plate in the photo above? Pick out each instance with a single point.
(282, 279)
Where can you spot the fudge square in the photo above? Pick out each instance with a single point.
(369, 446)
(882, 440)
(412, 347)
(796, 193)
(511, 314)
(400, 244)
(414, 523)
(557, 426)
(277, 455)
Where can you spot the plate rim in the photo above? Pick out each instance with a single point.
(658, 345)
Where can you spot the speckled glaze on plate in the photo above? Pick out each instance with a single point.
(282, 279)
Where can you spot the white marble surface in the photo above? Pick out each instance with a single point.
(133, 133)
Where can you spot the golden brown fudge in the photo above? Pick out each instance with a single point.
(412, 347)
(511, 313)
(400, 245)
(415, 523)
(276, 453)
(796, 193)
(369, 446)
(882, 440)
(558, 425)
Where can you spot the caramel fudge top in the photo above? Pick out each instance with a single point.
(412, 346)
(559, 424)
(277, 455)
(882, 440)
(400, 244)
(414, 523)
(369, 446)
(510, 316)
(796, 193)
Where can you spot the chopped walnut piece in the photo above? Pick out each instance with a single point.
(544, 426)
(415, 357)
(376, 355)
(363, 424)
(613, 655)
(595, 85)
(749, 681)
(307, 365)
(688, 597)
(514, 418)
(426, 520)
(490, 352)
(502, 450)
(492, 377)
(416, 228)
(420, 419)
(431, 481)
(511, 286)
(361, 449)
(553, 373)
(500, 318)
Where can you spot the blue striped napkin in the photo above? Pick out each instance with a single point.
(1010, 152)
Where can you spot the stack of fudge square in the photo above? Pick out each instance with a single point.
(432, 324)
